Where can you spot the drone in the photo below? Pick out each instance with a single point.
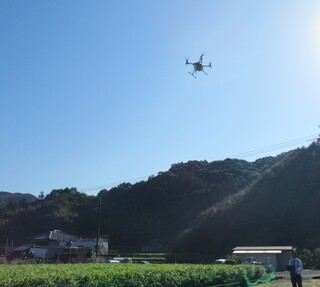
(198, 66)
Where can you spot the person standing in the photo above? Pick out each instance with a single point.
(295, 267)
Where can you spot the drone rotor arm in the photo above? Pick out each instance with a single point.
(189, 63)
(209, 65)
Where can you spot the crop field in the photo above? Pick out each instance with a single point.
(125, 275)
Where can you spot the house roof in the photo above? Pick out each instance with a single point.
(261, 249)
(56, 235)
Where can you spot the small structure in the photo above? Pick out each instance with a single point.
(277, 256)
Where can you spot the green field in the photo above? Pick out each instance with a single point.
(125, 275)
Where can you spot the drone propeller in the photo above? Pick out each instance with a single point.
(187, 62)
(210, 65)
(200, 59)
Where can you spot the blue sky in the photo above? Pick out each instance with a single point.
(95, 93)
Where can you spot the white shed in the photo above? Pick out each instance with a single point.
(278, 256)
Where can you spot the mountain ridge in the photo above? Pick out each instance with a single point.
(15, 197)
(197, 207)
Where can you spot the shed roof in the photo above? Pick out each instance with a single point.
(261, 249)
(252, 248)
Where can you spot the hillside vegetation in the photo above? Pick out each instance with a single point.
(7, 198)
(197, 207)
(279, 208)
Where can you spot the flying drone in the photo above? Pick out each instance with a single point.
(198, 66)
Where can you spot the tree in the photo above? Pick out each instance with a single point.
(41, 195)
(316, 257)
(307, 258)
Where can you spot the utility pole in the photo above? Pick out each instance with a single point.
(6, 249)
(98, 231)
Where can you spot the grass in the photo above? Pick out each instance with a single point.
(287, 283)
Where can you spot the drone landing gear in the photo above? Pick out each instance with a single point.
(193, 75)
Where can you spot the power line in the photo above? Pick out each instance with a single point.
(247, 154)
(228, 191)
(111, 184)
(277, 146)
(283, 219)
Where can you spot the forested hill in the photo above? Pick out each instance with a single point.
(194, 207)
(8, 198)
(280, 208)
(152, 213)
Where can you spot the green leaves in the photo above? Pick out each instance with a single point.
(124, 275)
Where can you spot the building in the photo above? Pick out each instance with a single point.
(58, 246)
(278, 256)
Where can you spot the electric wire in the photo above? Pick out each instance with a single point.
(252, 220)
(277, 146)
(284, 219)
(247, 154)
(111, 184)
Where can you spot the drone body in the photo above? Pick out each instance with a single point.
(197, 66)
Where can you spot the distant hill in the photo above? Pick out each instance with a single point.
(7, 197)
(194, 208)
